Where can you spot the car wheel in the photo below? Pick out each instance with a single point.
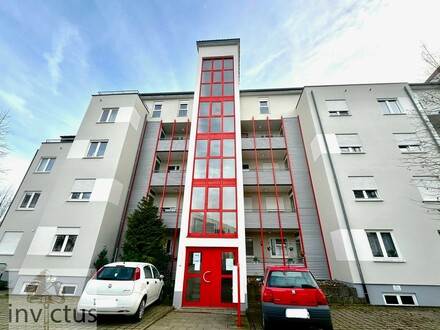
(267, 325)
(140, 311)
(160, 298)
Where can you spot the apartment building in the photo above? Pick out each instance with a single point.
(313, 176)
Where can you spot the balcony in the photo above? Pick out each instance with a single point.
(178, 145)
(252, 219)
(270, 219)
(174, 178)
(247, 143)
(265, 177)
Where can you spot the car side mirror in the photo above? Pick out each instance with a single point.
(161, 277)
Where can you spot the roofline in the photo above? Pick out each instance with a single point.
(217, 42)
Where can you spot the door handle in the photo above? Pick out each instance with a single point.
(208, 271)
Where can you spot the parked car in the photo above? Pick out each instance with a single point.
(123, 288)
(291, 295)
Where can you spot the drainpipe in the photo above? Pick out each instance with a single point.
(341, 201)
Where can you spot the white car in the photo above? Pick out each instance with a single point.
(122, 288)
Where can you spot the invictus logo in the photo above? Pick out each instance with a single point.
(45, 304)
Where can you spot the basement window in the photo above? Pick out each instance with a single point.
(400, 299)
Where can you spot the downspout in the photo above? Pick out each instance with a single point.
(341, 201)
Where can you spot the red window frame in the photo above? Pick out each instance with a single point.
(212, 67)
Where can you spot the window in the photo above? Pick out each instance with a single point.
(407, 142)
(183, 109)
(389, 107)
(364, 187)
(97, 149)
(429, 188)
(108, 115)
(349, 143)
(9, 242)
(249, 246)
(174, 168)
(275, 247)
(157, 110)
(245, 167)
(67, 290)
(400, 299)
(46, 164)
(30, 200)
(382, 244)
(337, 107)
(264, 106)
(82, 189)
(157, 164)
(30, 287)
(64, 243)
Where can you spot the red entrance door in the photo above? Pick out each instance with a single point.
(208, 277)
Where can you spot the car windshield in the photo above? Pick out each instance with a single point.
(291, 279)
(116, 273)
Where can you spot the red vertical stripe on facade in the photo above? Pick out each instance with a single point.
(166, 169)
(276, 191)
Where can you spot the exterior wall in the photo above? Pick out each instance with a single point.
(399, 207)
(27, 221)
(96, 221)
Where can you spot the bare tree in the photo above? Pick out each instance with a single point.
(6, 196)
(4, 129)
(425, 165)
(6, 193)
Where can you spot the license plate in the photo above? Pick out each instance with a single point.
(297, 313)
(105, 303)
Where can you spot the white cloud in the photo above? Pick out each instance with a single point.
(66, 35)
(16, 103)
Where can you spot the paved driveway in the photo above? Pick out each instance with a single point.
(19, 313)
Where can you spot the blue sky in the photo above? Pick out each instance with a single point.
(55, 54)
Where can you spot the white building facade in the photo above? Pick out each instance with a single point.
(313, 176)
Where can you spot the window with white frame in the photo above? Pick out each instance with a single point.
(108, 115)
(349, 143)
(401, 299)
(276, 247)
(64, 241)
(30, 288)
(429, 187)
(157, 109)
(30, 200)
(82, 189)
(9, 242)
(183, 109)
(408, 142)
(67, 290)
(382, 244)
(337, 107)
(264, 106)
(45, 165)
(364, 187)
(97, 149)
(390, 107)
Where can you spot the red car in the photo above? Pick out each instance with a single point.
(291, 295)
